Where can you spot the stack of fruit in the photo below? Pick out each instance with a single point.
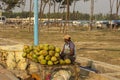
(44, 54)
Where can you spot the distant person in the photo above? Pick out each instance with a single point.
(68, 50)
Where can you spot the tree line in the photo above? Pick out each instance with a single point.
(63, 9)
(73, 16)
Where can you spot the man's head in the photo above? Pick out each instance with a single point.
(67, 38)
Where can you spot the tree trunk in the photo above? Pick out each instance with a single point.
(23, 7)
(63, 23)
(44, 7)
(49, 14)
(67, 15)
(55, 24)
(68, 11)
(111, 10)
(117, 8)
(91, 15)
(40, 14)
(74, 14)
(30, 14)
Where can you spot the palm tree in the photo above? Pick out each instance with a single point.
(22, 6)
(91, 13)
(74, 14)
(49, 3)
(45, 3)
(67, 3)
(117, 10)
(62, 8)
(117, 7)
(111, 10)
(59, 4)
(111, 7)
(40, 14)
(30, 14)
(54, 4)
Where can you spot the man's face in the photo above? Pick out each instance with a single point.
(66, 40)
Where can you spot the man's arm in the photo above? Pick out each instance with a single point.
(71, 51)
(72, 46)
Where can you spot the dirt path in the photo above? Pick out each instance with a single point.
(4, 41)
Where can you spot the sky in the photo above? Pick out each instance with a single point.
(101, 6)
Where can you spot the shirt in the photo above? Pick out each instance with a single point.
(68, 46)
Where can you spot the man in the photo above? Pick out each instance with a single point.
(68, 49)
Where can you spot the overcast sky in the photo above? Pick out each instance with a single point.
(101, 6)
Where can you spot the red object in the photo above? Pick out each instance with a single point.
(48, 77)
